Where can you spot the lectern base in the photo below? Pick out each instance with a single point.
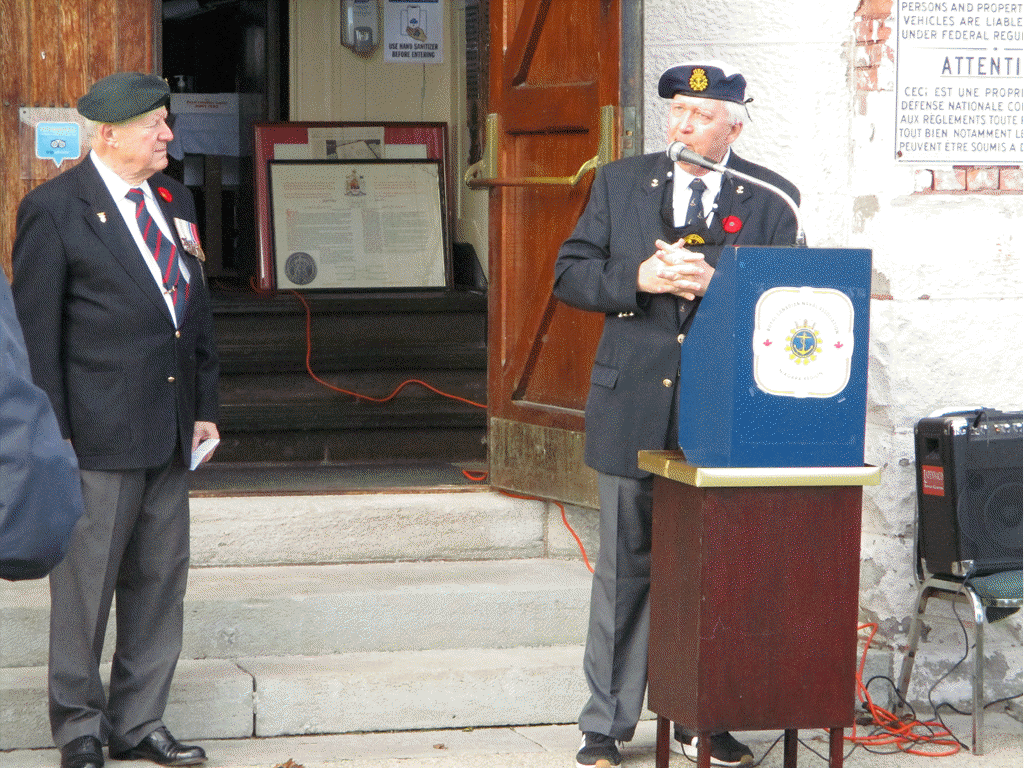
(754, 596)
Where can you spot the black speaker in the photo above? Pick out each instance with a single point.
(970, 492)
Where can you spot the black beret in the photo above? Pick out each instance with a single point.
(706, 80)
(123, 96)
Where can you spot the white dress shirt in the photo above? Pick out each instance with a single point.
(681, 192)
(118, 188)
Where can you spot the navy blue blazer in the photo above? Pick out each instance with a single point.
(126, 385)
(629, 405)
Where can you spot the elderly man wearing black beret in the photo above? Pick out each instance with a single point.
(110, 292)
(643, 253)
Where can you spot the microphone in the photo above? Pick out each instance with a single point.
(680, 153)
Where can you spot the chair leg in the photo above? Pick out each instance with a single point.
(912, 641)
(978, 718)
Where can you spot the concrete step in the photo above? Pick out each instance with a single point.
(212, 696)
(332, 612)
(341, 693)
(358, 607)
(553, 746)
(466, 524)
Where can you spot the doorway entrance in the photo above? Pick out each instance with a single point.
(236, 50)
(545, 88)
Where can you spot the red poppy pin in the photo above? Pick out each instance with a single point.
(164, 194)
(732, 224)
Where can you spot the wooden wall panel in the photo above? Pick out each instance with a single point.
(74, 19)
(103, 41)
(53, 51)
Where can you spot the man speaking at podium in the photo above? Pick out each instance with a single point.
(643, 253)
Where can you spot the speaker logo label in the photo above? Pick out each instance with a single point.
(932, 481)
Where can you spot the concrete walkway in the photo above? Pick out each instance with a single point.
(551, 746)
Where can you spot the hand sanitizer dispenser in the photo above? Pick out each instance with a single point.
(360, 27)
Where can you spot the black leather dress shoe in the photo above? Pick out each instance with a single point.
(83, 752)
(162, 748)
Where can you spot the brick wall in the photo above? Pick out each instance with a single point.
(875, 65)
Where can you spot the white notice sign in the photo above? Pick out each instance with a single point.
(414, 32)
(959, 84)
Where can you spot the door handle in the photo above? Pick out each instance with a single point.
(481, 174)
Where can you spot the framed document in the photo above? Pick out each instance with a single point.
(361, 224)
(337, 141)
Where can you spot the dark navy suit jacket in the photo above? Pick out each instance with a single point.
(126, 385)
(629, 405)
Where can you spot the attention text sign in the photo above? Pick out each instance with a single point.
(959, 85)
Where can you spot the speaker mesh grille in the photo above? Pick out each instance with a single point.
(989, 514)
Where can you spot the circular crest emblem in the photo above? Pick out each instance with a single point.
(300, 268)
(698, 80)
(803, 344)
(693, 239)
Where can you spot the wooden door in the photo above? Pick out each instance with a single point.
(554, 114)
(53, 51)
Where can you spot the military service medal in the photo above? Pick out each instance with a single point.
(188, 233)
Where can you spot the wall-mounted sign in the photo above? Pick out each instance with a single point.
(414, 32)
(959, 82)
(58, 141)
(50, 134)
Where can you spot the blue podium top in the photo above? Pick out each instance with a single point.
(773, 372)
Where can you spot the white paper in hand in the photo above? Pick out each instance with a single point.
(204, 449)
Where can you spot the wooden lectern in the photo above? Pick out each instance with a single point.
(754, 598)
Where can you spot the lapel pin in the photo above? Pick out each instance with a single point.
(102, 216)
(654, 182)
(739, 189)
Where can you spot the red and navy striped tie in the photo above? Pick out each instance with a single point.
(164, 250)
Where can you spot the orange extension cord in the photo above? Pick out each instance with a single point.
(399, 388)
(565, 521)
(910, 736)
(473, 476)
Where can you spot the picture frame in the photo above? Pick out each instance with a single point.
(327, 141)
(359, 224)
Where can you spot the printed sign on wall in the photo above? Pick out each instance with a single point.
(959, 82)
(414, 32)
(50, 134)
